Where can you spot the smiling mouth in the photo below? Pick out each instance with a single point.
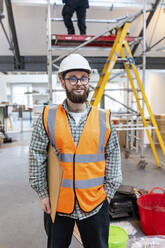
(78, 90)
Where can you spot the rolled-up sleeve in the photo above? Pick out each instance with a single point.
(38, 159)
(113, 174)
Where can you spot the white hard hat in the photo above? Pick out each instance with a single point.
(73, 62)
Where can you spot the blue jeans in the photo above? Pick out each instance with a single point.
(94, 230)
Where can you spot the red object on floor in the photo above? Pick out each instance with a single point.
(115, 122)
(152, 212)
(75, 40)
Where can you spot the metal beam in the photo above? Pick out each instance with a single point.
(155, 5)
(1, 7)
(18, 62)
(39, 63)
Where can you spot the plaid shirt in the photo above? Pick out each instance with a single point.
(38, 153)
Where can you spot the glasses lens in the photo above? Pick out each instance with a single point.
(84, 80)
(73, 80)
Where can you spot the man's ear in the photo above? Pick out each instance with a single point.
(62, 83)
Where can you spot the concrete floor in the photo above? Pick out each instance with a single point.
(21, 222)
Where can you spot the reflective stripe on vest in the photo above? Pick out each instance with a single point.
(83, 184)
(84, 165)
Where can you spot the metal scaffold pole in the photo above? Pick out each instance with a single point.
(49, 53)
(144, 71)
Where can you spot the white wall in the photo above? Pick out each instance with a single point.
(157, 91)
(34, 78)
(3, 89)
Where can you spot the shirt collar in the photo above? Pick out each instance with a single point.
(64, 106)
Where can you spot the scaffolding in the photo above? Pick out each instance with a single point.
(120, 51)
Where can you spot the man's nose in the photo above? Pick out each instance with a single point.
(79, 82)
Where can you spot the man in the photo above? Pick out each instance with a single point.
(79, 7)
(88, 150)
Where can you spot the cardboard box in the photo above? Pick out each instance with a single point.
(121, 134)
(160, 120)
(55, 173)
(1, 140)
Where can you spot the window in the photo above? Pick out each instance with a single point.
(19, 96)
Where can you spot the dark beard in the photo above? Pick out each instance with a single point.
(77, 98)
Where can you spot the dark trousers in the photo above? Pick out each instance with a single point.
(67, 14)
(94, 230)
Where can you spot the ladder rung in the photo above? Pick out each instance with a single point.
(139, 65)
(122, 59)
(138, 99)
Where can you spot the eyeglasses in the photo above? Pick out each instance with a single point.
(74, 80)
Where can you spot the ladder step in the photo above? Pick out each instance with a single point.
(137, 90)
(138, 99)
(122, 59)
(139, 65)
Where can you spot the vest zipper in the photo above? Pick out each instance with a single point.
(74, 179)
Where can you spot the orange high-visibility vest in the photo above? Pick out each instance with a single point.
(83, 166)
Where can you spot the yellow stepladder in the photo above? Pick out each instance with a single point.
(117, 49)
(127, 48)
(140, 108)
(110, 63)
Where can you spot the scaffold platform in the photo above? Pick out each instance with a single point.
(75, 40)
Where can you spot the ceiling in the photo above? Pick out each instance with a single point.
(101, 3)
